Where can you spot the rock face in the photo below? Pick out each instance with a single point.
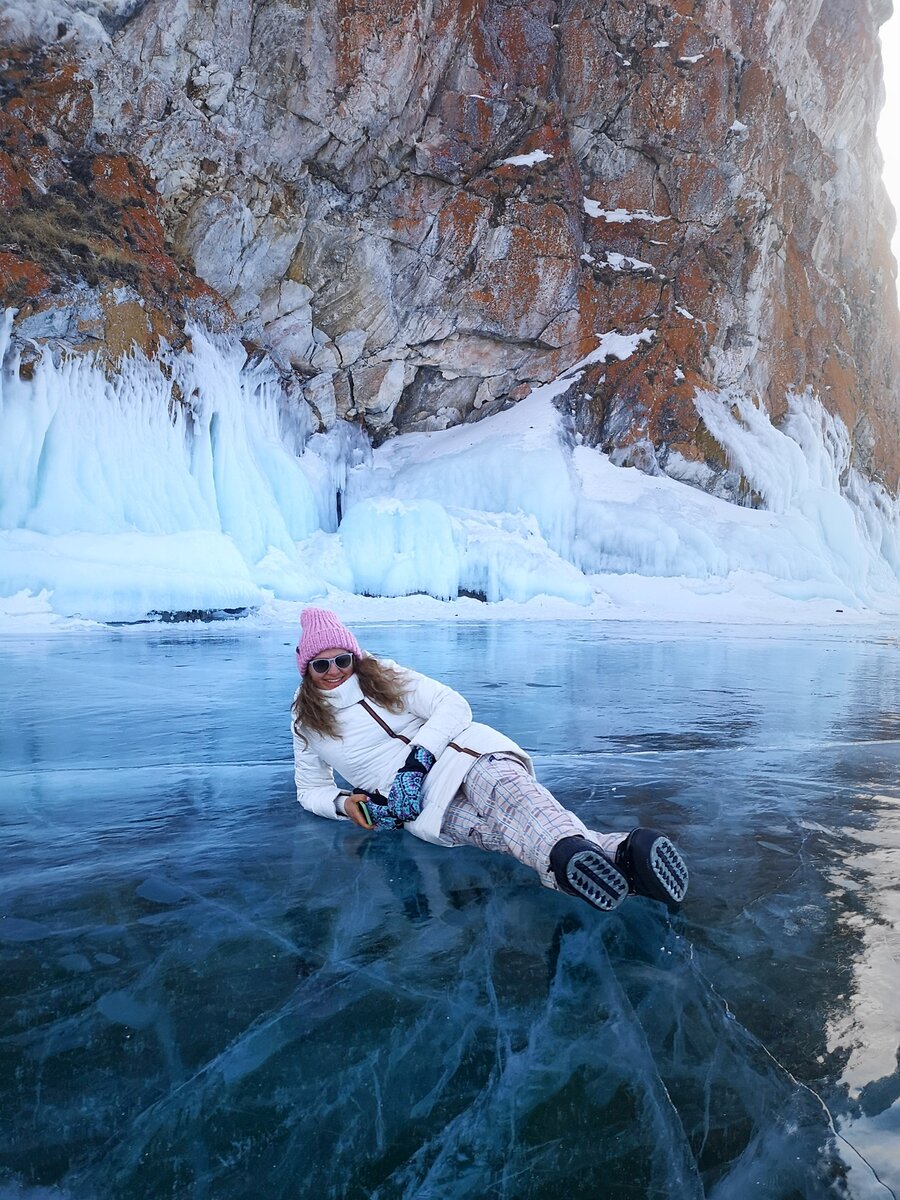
(422, 208)
(83, 253)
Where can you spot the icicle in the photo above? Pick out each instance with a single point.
(177, 484)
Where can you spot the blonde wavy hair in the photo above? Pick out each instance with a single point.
(379, 683)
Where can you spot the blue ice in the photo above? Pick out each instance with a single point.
(209, 993)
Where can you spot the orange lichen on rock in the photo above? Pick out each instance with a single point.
(121, 180)
(458, 223)
(20, 279)
(356, 20)
(50, 97)
(484, 189)
(10, 187)
(70, 218)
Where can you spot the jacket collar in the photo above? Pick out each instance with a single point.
(348, 693)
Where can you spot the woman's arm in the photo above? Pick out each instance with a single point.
(445, 713)
(316, 787)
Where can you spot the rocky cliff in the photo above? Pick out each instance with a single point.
(420, 208)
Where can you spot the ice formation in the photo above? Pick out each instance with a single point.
(190, 483)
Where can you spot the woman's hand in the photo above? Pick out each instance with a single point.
(352, 809)
(381, 817)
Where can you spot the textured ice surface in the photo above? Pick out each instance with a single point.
(209, 993)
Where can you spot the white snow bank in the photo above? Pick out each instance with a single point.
(187, 485)
(608, 521)
(124, 576)
(611, 345)
(619, 216)
(526, 160)
(624, 262)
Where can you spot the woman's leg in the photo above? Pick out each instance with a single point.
(502, 807)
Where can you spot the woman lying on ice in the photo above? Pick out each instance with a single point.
(416, 759)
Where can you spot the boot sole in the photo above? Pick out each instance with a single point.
(596, 880)
(669, 868)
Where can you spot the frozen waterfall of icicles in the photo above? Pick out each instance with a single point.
(189, 483)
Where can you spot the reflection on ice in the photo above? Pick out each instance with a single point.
(867, 1026)
(209, 993)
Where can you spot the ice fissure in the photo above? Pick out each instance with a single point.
(190, 482)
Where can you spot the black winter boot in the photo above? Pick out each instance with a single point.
(653, 866)
(581, 869)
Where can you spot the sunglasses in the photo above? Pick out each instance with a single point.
(341, 661)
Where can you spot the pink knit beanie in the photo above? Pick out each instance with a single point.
(321, 630)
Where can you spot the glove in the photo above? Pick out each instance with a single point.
(381, 815)
(404, 800)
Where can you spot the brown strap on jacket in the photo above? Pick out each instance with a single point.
(393, 733)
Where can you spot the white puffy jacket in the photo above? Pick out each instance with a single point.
(368, 757)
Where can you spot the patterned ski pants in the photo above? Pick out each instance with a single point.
(501, 807)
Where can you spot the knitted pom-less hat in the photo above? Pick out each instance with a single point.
(321, 630)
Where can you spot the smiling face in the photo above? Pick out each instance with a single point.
(334, 676)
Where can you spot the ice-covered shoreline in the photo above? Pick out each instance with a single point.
(643, 605)
(188, 484)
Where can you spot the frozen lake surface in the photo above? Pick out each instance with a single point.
(209, 994)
